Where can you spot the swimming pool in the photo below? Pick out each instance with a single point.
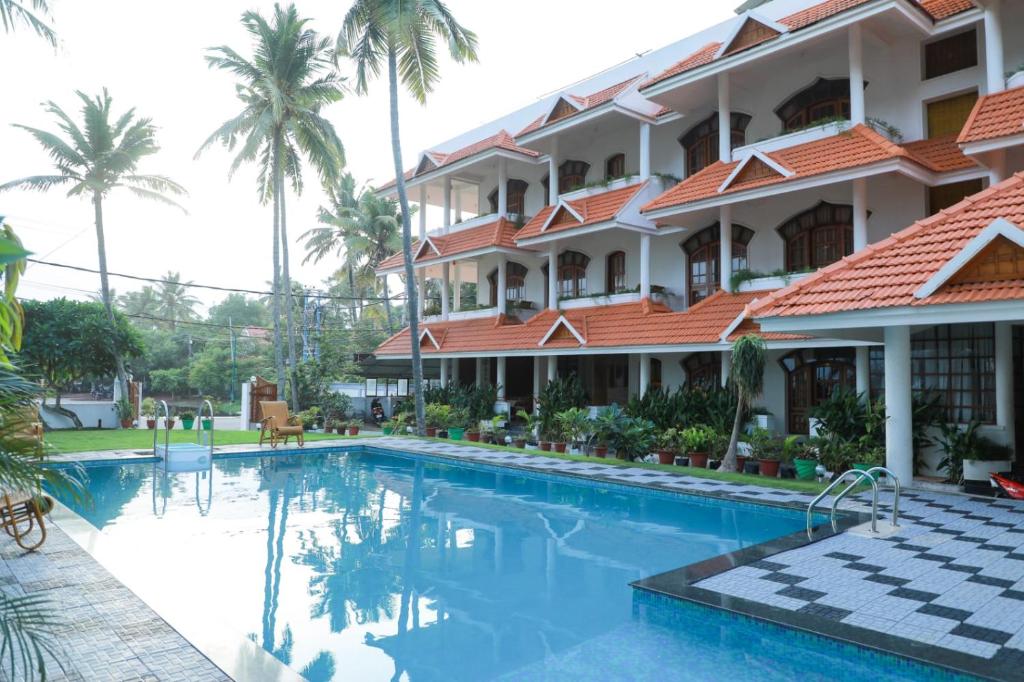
(371, 565)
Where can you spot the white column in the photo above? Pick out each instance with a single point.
(479, 372)
(552, 367)
(899, 440)
(553, 173)
(726, 366)
(502, 187)
(458, 206)
(645, 151)
(645, 266)
(996, 160)
(857, 106)
(863, 360)
(724, 119)
(1004, 380)
(447, 220)
(994, 62)
(501, 378)
(444, 371)
(445, 290)
(536, 380)
(502, 283)
(860, 214)
(645, 373)
(421, 298)
(725, 245)
(457, 284)
(423, 212)
(553, 276)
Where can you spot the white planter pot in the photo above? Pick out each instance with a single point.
(1016, 80)
(812, 427)
(977, 470)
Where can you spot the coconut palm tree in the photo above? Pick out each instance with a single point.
(747, 376)
(13, 12)
(174, 303)
(283, 88)
(335, 218)
(94, 159)
(402, 36)
(143, 302)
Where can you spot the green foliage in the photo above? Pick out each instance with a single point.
(311, 383)
(477, 401)
(698, 438)
(636, 439)
(609, 425)
(558, 396)
(149, 408)
(173, 381)
(438, 415)
(959, 443)
(686, 406)
(12, 317)
(336, 406)
(70, 340)
(310, 417)
(575, 425)
(240, 311)
(124, 409)
(851, 430)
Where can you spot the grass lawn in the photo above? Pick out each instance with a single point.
(88, 440)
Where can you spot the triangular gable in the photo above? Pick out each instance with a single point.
(423, 245)
(564, 107)
(753, 29)
(990, 256)
(425, 336)
(756, 166)
(562, 329)
(558, 214)
(734, 325)
(426, 164)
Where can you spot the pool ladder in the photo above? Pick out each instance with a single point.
(203, 437)
(167, 431)
(858, 476)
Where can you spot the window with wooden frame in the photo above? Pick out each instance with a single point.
(948, 55)
(944, 196)
(615, 272)
(814, 376)
(703, 370)
(826, 99)
(515, 283)
(703, 253)
(516, 197)
(615, 167)
(700, 143)
(572, 274)
(818, 237)
(571, 175)
(958, 363)
(947, 116)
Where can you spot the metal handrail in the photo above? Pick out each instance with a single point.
(204, 435)
(167, 431)
(824, 493)
(848, 489)
(896, 486)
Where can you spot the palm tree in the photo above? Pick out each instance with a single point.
(13, 12)
(141, 303)
(747, 376)
(403, 35)
(322, 241)
(95, 159)
(174, 303)
(283, 88)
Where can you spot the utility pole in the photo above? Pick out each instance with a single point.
(234, 363)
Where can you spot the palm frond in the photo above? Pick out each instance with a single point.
(155, 196)
(30, 629)
(38, 182)
(13, 12)
(157, 183)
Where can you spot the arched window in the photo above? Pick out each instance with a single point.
(824, 100)
(615, 272)
(703, 370)
(703, 252)
(700, 142)
(818, 237)
(813, 376)
(615, 167)
(515, 283)
(572, 275)
(571, 175)
(516, 197)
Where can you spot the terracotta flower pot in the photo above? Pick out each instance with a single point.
(545, 446)
(170, 423)
(328, 429)
(741, 462)
(699, 460)
(473, 436)
(150, 423)
(559, 447)
(126, 423)
(353, 430)
(666, 457)
(431, 432)
(770, 467)
(519, 443)
(601, 451)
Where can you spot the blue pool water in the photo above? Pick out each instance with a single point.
(367, 565)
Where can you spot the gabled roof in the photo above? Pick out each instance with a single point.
(578, 104)
(854, 148)
(995, 116)
(569, 214)
(936, 9)
(889, 273)
(500, 233)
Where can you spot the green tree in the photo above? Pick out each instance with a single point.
(747, 376)
(70, 340)
(283, 89)
(402, 36)
(238, 310)
(13, 12)
(95, 159)
(174, 303)
(139, 305)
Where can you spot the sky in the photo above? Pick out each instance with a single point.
(149, 55)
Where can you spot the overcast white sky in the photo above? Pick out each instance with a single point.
(150, 56)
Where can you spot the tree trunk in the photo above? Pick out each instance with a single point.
(387, 305)
(276, 286)
(64, 411)
(729, 461)
(352, 293)
(410, 274)
(101, 245)
(293, 365)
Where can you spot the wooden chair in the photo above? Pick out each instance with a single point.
(20, 513)
(277, 423)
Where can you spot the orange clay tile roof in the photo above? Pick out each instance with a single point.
(594, 208)
(936, 9)
(859, 146)
(500, 140)
(887, 274)
(998, 115)
(501, 233)
(642, 323)
(590, 101)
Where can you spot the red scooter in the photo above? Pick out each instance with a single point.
(1011, 489)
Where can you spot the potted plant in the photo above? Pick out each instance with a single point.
(496, 429)
(309, 418)
(969, 457)
(149, 412)
(124, 413)
(533, 422)
(668, 446)
(870, 457)
(697, 441)
(353, 427)
(791, 446)
(636, 440)
(329, 425)
(457, 423)
(805, 460)
(557, 437)
(188, 420)
(576, 427)
(169, 422)
(473, 434)
(766, 449)
(607, 429)
(436, 416)
(760, 418)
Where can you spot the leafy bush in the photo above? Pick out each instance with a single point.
(558, 396)
(958, 444)
(575, 425)
(636, 439)
(438, 415)
(608, 426)
(336, 407)
(699, 438)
